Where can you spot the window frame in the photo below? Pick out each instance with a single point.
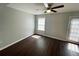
(68, 28)
(38, 25)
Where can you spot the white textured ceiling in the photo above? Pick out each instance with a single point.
(38, 8)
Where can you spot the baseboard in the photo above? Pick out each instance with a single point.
(69, 41)
(14, 43)
(56, 38)
(31, 35)
(51, 36)
(60, 39)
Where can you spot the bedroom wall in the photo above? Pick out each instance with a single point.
(56, 25)
(15, 25)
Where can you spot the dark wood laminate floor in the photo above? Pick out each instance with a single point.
(41, 46)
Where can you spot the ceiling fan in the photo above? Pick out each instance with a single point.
(49, 7)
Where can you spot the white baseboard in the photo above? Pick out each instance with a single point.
(31, 35)
(60, 39)
(52, 36)
(56, 38)
(70, 41)
(13, 43)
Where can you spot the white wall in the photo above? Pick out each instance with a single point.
(15, 25)
(56, 25)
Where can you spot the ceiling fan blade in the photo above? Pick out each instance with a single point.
(53, 11)
(58, 7)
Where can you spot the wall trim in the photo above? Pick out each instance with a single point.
(35, 34)
(73, 42)
(14, 43)
(69, 41)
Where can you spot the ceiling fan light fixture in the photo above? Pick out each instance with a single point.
(48, 11)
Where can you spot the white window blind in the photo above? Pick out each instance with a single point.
(41, 23)
(74, 30)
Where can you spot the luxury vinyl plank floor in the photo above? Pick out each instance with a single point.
(37, 45)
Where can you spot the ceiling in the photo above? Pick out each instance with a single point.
(38, 8)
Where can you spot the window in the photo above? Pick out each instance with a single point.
(74, 30)
(41, 24)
